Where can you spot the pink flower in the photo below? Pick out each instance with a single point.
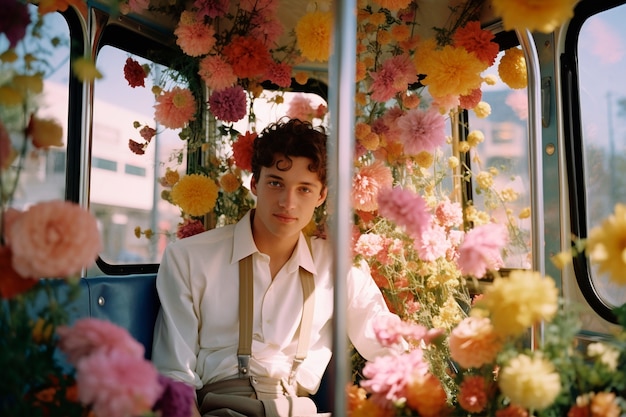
(53, 239)
(117, 384)
(474, 343)
(175, 108)
(473, 394)
(266, 27)
(449, 214)
(480, 250)
(89, 335)
(432, 243)
(300, 108)
(216, 73)
(394, 76)
(369, 244)
(405, 208)
(387, 376)
(176, 399)
(189, 228)
(134, 73)
(368, 183)
(279, 73)
(421, 131)
(147, 133)
(211, 8)
(390, 330)
(138, 6)
(229, 104)
(193, 36)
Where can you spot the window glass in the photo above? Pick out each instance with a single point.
(502, 160)
(41, 172)
(601, 60)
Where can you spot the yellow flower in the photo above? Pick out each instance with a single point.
(313, 34)
(519, 301)
(490, 79)
(230, 182)
(543, 16)
(171, 177)
(606, 245)
(137, 232)
(482, 110)
(8, 56)
(449, 71)
(45, 132)
(512, 68)
(29, 83)
(524, 213)
(85, 69)
(301, 77)
(561, 259)
(453, 162)
(424, 159)
(530, 382)
(195, 194)
(475, 137)
(484, 180)
(10, 96)
(606, 354)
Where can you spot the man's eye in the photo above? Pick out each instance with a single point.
(305, 189)
(274, 184)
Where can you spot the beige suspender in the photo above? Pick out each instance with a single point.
(244, 351)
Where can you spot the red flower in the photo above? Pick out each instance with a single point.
(242, 150)
(134, 73)
(12, 283)
(249, 57)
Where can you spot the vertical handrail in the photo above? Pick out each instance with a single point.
(535, 157)
(341, 91)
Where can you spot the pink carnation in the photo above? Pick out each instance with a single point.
(175, 108)
(368, 183)
(193, 36)
(53, 239)
(422, 130)
(394, 76)
(369, 244)
(229, 104)
(405, 208)
(449, 214)
(117, 384)
(480, 250)
(432, 243)
(216, 73)
(474, 343)
(89, 335)
(300, 108)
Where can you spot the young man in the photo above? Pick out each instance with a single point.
(253, 364)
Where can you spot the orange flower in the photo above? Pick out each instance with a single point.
(48, 6)
(426, 396)
(45, 132)
(248, 56)
(313, 33)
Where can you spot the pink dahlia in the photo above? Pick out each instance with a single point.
(368, 182)
(393, 77)
(216, 73)
(422, 131)
(405, 208)
(480, 250)
(279, 73)
(175, 108)
(193, 36)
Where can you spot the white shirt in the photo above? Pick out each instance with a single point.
(197, 330)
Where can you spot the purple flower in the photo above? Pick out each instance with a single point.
(176, 399)
(13, 20)
(229, 104)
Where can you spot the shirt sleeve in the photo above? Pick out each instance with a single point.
(175, 347)
(366, 304)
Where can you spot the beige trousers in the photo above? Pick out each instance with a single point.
(253, 397)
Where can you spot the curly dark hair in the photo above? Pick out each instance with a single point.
(290, 138)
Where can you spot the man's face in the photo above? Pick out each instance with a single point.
(286, 200)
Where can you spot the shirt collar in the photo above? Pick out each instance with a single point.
(243, 245)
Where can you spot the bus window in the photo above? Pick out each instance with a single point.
(42, 175)
(601, 52)
(503, 157)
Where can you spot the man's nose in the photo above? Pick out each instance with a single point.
(287, 198)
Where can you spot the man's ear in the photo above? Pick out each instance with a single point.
(323, 195)
(253, 185)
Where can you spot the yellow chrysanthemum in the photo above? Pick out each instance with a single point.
(475, 137)
(520, 301)
(512, 68)
(230, 182)
(534, 15)
(482, 110)
(85, 69)
(30, 83)
(530, 382)
(313, 34)
(10, 96)
(606, 245)
(195, 194)
(449, 70)
(8, 56)
(424, 159)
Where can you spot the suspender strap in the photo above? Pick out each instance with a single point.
(246, 301)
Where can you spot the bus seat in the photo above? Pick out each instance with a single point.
(130, 301)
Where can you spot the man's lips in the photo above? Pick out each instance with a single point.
(285, 217)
